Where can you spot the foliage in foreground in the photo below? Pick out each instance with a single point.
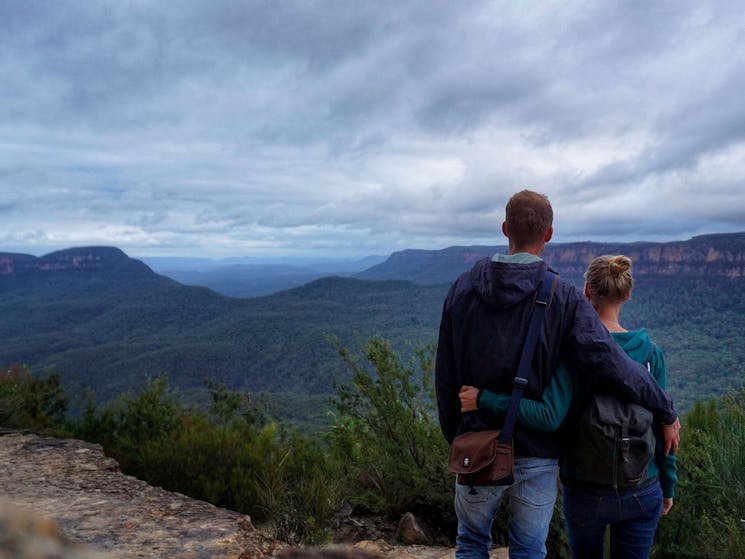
(708, 518)
(389, 442)
(385, 436)
(31, 402)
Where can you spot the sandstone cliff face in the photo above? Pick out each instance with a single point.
(718, 255)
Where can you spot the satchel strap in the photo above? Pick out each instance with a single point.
(541, 304)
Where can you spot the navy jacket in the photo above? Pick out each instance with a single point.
(484, 321)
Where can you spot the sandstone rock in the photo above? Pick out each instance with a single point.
(23, 536)
(73, 484)
(411, 532)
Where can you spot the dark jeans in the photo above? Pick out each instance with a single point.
(632, 515)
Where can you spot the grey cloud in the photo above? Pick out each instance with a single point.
(297, 30)
(698, 128)
(261, 122)
(8, 207)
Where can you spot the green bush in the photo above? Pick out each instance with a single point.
(298, 486)
(229, 456)
(707, 521)
(386, 438)
(32, 402)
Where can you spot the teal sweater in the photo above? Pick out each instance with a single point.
(548, 413)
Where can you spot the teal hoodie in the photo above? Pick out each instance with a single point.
(548, 413)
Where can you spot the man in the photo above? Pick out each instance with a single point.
(484, 322)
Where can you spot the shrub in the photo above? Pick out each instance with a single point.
(707, 519)
(229, 456)
(385, 436)
(32, 402)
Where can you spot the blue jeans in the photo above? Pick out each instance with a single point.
(532, 499)
(632, 516)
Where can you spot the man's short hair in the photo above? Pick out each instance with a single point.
(529, 216)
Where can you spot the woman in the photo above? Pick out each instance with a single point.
(632, 514)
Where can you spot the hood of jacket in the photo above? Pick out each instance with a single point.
(504, 284)
(635, 343)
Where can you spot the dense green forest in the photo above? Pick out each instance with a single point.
(698, 323)
(382, 454)
(110, 334)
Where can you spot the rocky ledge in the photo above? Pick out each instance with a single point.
(74, 485)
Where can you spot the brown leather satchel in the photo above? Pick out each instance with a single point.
(480, 459)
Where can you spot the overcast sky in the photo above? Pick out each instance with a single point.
(240, 128)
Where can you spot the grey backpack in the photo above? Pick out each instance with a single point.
(615, 442)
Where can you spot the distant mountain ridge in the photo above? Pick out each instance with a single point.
(716, 254)
(255, 280)
(705, 255)
(429, 266)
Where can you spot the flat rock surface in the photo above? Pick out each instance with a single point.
(74, 484)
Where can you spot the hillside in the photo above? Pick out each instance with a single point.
(110, 326)
(247, 281)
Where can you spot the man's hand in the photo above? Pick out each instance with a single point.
(671, 433)
(469, 396)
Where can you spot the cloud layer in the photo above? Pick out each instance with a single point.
(347, 128)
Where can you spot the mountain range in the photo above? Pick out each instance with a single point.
(252, 277)
(107, 321)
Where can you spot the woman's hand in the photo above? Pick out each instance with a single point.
(469, 396)
(667, 504)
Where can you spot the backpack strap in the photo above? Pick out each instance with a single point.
(541, 303)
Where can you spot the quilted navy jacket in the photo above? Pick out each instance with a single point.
(484, 321)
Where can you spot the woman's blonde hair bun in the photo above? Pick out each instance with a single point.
(619, 264)
(609, 277)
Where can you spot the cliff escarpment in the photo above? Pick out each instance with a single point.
(720, 255)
